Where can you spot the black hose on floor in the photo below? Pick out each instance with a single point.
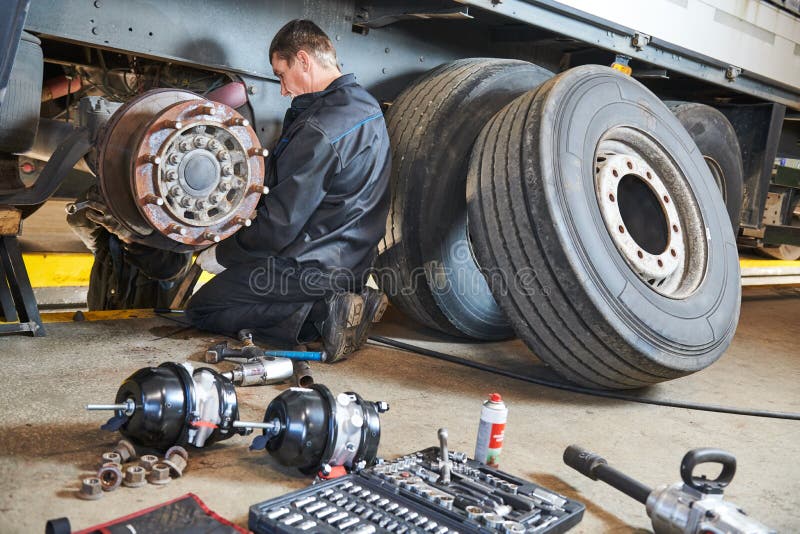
(167, 314)
(578, 389)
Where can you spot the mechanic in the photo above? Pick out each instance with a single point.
(125, 275)
(299, 271)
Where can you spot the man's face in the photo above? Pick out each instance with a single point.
(294, 78)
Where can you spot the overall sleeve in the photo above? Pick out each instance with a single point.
(303, 169)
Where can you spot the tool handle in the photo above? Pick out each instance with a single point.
(297, 355)
(596, 467)
(695, 457)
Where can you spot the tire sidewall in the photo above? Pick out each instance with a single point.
(715, 138)
(686, 334)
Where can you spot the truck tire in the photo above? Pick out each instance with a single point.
(19, 112)
(714, 135)
(573, 190)
(432, 126)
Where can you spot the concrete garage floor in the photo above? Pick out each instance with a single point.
(48, 441)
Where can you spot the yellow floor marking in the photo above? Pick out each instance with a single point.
(63, 269)
(108, 315)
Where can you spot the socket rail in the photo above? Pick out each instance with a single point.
(409, 495)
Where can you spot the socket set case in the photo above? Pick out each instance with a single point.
(406, 495)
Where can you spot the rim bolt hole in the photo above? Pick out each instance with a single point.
(666, 199)
(649, 176)
(674, 227)
(621, 229)
(615, 173)
(660, 263)
(639, 253)
(630, 165)
(672, 251)
(611, 197)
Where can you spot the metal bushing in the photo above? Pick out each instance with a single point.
(176, 459)
(159, 474)
(134, 477)
(147, 461)
(91, 489)
(180, 171)
(110, 476)
(110, 458)
(126, 450)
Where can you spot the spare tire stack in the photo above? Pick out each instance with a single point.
(592, 216)
(426, 265)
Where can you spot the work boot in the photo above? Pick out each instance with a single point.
(375, 303)
(340, 328)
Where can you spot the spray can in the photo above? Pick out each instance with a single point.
(491, 430)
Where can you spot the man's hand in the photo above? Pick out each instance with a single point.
(207, 260)
(98, 213)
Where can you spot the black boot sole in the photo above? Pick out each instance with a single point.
(340, 328)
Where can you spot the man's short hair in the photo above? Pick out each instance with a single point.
(301, 34)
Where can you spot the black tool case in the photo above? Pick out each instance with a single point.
(406, 495)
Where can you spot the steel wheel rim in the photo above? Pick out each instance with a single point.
(650, 212)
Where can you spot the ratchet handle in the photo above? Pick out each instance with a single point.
(695, 457)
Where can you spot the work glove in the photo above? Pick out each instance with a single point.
(98, 213)
(207, 260)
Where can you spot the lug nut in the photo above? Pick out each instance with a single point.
(176, 457)
(110, 476)
(223, 187)
(134, 477)
(185, 145)
(125, 448)
(213, 144)
(91, 489)
(200, 204)
(238, 121)
(200, 141)
(258, 151)
(173, 158)
(159, 474)
(171, 176)
(227, 170)
(110, 458)
(213, 199)
(148, 461)
(223, 155)
(175, 191)
(185, 202)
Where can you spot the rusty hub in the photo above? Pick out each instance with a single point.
(179, 171)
